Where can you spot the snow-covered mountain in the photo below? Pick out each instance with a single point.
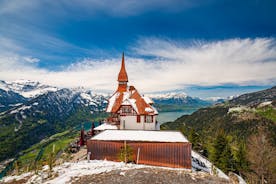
(16, 94)
(58, 104)
(174, 95)
(217, 99)
(177, 101)
(26, 88)
(44, 115)
(9, 99)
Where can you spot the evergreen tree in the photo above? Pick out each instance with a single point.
(226, 159)
(194, 139)
(221, 154)
(242, 163)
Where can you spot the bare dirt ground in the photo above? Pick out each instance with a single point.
(80, 155)
(150, 176)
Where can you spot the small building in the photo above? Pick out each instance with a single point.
(159, 148)
(105, 126)
(128, 109)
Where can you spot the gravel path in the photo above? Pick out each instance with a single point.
(150, 176)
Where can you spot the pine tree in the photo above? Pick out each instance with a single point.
(194, 139)
(226, 159)
(221, 154)
(242, 163)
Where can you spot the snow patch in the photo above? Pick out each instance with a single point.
(86, 96)
(37, 92)
(26, 88)
(238, 109)
(263, 104)
(201, 163)
(16, 178)
(69, 170)
(19, 109)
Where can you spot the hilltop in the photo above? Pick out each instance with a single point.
(109, 172)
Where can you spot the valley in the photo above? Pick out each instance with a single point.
(238, 135)
(32, 112)
(31, 125)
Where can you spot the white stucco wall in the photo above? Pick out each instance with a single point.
(131, 123)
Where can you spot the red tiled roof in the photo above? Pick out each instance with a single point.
(128, 93)
(118, 102)
(140, 105)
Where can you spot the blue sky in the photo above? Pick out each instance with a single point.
(227, 46)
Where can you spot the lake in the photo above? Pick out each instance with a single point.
(162, 117)
(171, 116)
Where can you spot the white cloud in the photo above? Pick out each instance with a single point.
(109, 7)
(174, 66)
(31, 59)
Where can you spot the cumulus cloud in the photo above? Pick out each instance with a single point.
(162, 65)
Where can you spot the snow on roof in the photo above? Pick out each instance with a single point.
(147, 100)
(106, 126)
(126, 102)
(112, 101)
(133, 104)
(141, 135)
(148, 109)
(126, 95)
(124, 92)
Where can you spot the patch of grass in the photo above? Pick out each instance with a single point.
(59, 145)
(268, 113)
(28, 157)
(37, 155)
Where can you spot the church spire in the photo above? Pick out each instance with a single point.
(122, 77)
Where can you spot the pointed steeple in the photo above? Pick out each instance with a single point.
(122, 77)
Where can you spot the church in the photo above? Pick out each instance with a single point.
(132, 123)
(128, 109)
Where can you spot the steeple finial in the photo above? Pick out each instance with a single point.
(122, 77)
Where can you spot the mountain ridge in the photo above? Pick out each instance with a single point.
(242, 126)
(25, 121)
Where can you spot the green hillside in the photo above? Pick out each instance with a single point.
(238, 136)
(34, 129)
